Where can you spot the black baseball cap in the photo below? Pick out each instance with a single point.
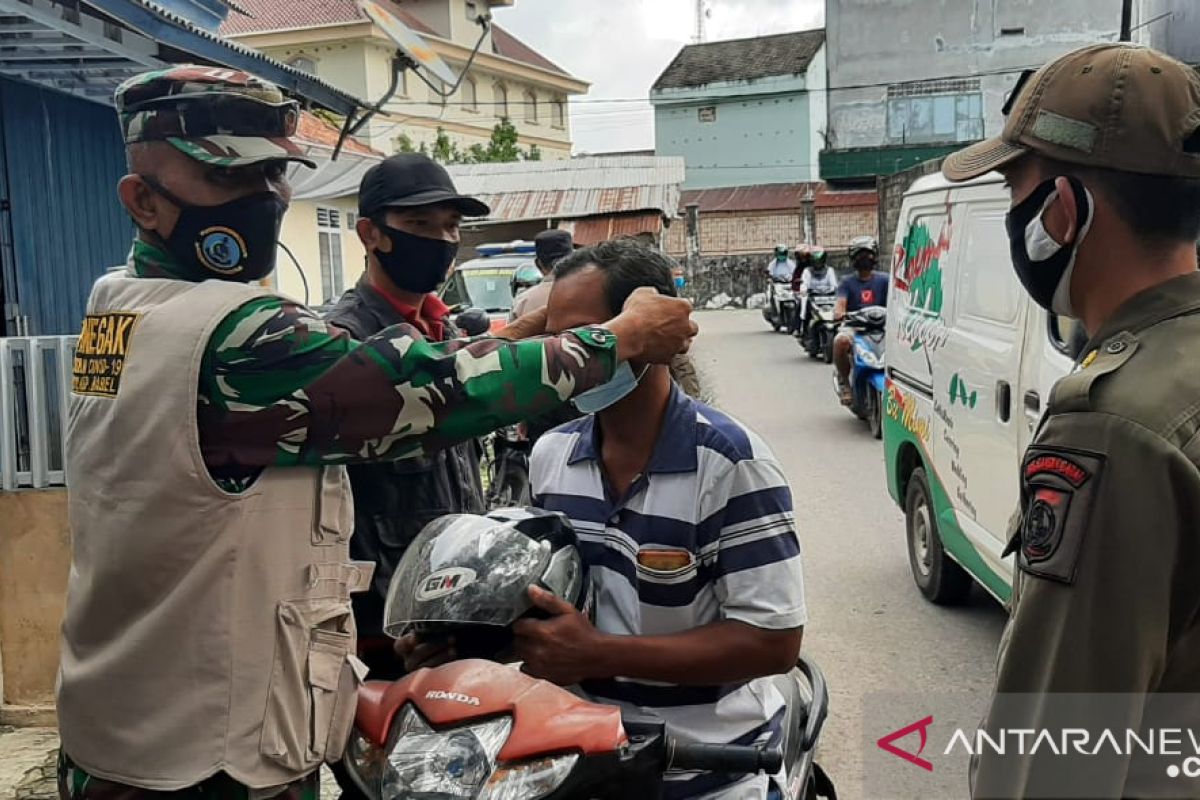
(409, 180)
(553, 245)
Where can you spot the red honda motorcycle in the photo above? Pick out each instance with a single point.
(480, 729)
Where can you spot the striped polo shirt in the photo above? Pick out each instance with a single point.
(712, 491)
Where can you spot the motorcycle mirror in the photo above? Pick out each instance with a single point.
(473, 322)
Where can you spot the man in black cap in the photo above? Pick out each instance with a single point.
(409, 216)
(551, 246)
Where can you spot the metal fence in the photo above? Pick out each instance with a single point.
(35, 385)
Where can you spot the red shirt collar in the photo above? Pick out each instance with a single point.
(429, 317)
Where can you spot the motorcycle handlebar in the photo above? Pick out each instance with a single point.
(730, 758)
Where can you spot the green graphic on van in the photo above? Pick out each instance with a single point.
(959, 393)
(919, 274)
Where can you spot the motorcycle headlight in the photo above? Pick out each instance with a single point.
(423, 764)
(530, 780)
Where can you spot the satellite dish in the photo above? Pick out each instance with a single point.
(409, 42)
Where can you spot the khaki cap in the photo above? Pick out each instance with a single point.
(1113, 106)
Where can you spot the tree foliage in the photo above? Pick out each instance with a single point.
(503, 147)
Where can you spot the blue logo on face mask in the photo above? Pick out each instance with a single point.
(680, 281)
(221, 250)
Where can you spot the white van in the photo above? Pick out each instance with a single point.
(970, 363)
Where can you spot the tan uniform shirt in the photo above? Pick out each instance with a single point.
(533, 298)
(1108, 557)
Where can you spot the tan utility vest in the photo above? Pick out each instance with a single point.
(204, 631)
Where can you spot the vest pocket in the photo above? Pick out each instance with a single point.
(311, 698)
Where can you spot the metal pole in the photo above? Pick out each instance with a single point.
(1127, 20)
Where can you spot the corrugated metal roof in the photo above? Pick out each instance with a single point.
(74, 53)
(161, 24)
(827, 198)
(765, 197)
(580, 187)
(742, 59)
(594, 230)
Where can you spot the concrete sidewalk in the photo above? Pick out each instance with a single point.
(27, 760)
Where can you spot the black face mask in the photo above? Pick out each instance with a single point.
(233, 241)
(1043, 265)
(865, 263)
(415, 264)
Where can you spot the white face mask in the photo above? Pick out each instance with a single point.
(1036, 255)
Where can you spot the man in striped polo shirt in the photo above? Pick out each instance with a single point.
(685, 520)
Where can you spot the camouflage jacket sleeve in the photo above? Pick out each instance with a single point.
(279, 387)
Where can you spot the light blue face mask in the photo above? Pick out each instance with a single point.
(608, 394)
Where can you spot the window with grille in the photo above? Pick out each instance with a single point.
(935, 111)
(558, 114)
(329, 239)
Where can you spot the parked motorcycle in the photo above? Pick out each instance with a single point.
(866, 366)
(508, 468)
(819, 326)
(476, 728)
(780, 310)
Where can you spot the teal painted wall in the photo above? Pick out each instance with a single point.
(763, 132)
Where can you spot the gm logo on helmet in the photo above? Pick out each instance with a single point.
(445, 582)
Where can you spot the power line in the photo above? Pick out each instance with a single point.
(704, 97)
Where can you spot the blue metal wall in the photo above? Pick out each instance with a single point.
(762, 132)
(63, 158)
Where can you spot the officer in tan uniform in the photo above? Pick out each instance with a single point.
(1101, 150)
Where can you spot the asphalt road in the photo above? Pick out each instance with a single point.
(869, 628)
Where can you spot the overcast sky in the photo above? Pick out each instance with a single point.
(621, 47)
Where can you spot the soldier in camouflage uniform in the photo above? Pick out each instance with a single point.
(210, 419)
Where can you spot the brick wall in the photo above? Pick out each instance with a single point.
(727, 234)
(837, 225)
(891, 197)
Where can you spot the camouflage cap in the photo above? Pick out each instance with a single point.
(214, 115)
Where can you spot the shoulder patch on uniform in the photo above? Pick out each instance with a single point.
(1058, 490)
(1067, 468)
(1073, 392)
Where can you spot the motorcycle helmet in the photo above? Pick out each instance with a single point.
(524, 277)
(863, 243)
(781, 252)
(820, 260)
(468, 576)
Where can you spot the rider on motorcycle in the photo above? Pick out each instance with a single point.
(866, 287)
(781, 266)
(812, 276)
